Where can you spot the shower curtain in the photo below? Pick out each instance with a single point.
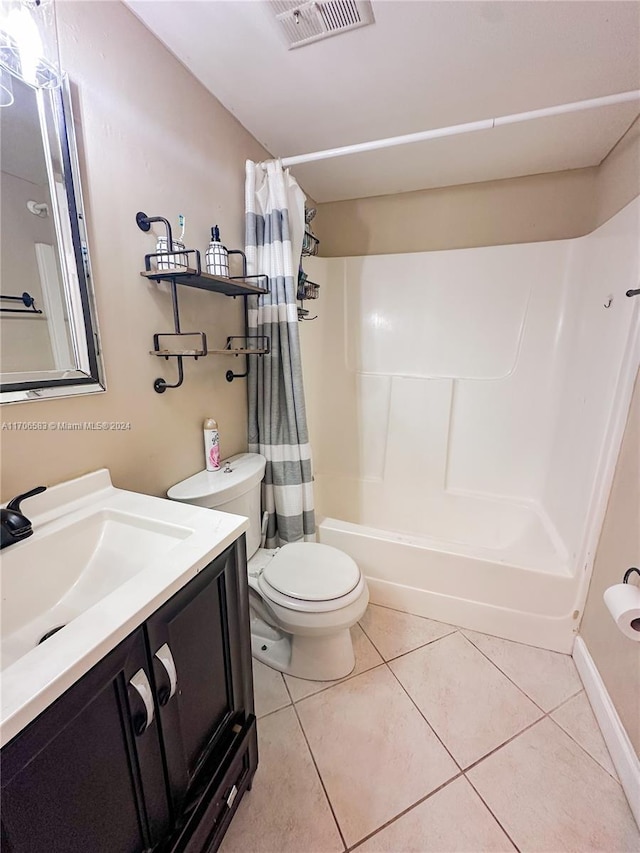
(277, 418)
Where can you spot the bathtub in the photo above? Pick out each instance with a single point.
(480, 588)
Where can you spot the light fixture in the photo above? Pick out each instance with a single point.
(29, 42)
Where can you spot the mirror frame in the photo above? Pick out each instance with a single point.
(61, 156)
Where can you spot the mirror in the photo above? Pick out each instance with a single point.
(48, 334)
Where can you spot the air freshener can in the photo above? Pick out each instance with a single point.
(211, 445)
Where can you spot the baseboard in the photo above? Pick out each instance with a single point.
(620, 747)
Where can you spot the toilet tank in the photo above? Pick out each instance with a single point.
(234, 488)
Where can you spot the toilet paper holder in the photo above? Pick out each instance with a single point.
(628, 574)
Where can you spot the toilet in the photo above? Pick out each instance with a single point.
(303, 597)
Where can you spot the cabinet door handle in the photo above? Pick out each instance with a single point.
(140, 683)
(166, 659)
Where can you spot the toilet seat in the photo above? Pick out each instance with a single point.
(310, 577)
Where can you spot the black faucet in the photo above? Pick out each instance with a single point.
(15, 525)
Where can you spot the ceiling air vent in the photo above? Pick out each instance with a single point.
(303, 23)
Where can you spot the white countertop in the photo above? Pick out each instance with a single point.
(37, 678)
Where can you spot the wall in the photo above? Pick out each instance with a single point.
(516, 210)
(533, 208)
(618, 177)
(616, 657)
(151, 138)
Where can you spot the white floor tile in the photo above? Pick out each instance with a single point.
(286, 811)
(576, 718)
(455, 820)
(394, 633)
(270, 694)
(471, 705)
(549, 795)
(366, 658)
(546, 677)
(374, 751)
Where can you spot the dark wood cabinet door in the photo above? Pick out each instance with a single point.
(195, 645)
(87, 775)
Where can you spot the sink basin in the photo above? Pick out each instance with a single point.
(55, 577)
(101, 560)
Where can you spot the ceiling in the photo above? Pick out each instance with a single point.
(423, 64)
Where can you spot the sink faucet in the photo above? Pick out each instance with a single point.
(15, 525)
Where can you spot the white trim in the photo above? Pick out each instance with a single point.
(54, 307)
(608, 458)
(616, 738)
(458, 129)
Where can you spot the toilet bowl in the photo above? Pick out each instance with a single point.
(304, 597)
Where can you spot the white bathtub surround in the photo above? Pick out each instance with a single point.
(466, 408)
(458, 584)
(623, 755)
(545, 789)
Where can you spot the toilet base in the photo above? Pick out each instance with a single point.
(322, 658)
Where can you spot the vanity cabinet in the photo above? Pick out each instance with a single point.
(154, 746)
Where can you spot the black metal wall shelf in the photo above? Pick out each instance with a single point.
(174, 268)
(310, 246)
(204, 281)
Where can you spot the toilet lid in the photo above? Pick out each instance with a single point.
(312, 572)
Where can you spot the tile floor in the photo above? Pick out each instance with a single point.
(440, 740)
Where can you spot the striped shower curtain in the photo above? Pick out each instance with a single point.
(277, 418)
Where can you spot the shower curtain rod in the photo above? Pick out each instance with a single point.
(458, 129)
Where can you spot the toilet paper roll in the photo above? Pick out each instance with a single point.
(623, 601)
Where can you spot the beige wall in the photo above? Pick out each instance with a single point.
(618, 177)
(153, 139)
(515, 210)
(616, 657)
(554, 206)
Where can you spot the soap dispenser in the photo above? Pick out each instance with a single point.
(171, 261)
(217, 257)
